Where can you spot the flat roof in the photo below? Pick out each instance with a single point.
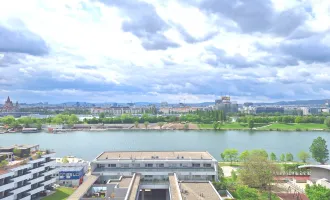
(125, 182)
(135, 187)
(198, 191)
(156, 155)
(316, 166)
(174, 189)
(83, 188)
(70, 169)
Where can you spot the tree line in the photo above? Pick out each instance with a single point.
(318, 151)
(282, 119)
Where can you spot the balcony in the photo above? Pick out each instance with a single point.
(37, 169)
(49, 163)
(167, 169)
(7, 186)
(50, 172)
(10, 197)
(22, 177)
(48, 182)
(37, 180)
(36, 190)
(21, 189)
(37, 160)
(28, 197)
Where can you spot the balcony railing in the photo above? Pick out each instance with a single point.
(7, 186)
(167, 169)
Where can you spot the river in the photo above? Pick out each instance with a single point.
(88, 145)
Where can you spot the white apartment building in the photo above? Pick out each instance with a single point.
(157, 165)
(27, 179)
(144, 175)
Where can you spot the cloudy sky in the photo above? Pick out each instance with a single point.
(164, 50)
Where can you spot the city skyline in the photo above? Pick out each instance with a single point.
(153, 51)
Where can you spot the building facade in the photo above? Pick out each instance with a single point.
(120, 110)
(142, 175)
(156, 165)
(226, 105)
(27, 179)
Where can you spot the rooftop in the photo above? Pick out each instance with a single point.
(316, 166)
(115, 155)
(71, 169)
(23, 146)
(83, 188)
(198, 191)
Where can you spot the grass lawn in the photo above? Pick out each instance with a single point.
(61, 193)
(229, 126)
(302, 127)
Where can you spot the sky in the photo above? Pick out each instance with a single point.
(164, 50)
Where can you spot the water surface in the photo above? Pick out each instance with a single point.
(88, 145)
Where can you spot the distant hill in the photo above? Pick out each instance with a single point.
(297, 102)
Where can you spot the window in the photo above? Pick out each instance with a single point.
(207, 165)
(149, 165)
(124, 165)
(196, 165)
(111, 165)
(161, 165)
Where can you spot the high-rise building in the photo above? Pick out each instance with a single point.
(226, 105)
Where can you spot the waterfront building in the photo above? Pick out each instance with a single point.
(320, 174)
(120, 110)
(226, 105)
(71, 176)
(262, 109)
(27, 177)
(178, 110)
(161, 175)
(9, 106)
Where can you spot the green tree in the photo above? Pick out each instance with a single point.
(319, 150)
(136, 124)
(246, 193)
(233, 175)
(317, 192)
(273, 156)
(298, 120)
(259, 152)
(186, 126)
(327, 122)
(304, 156)
(231, 155)
(72, 119)
(39, 125)
(223, 156)
(146, 124)
(258, 172)
(160, 124)
(17, 152)
(102, 115)
(289, 157)
(215, 125)
(65, 160)
(244, 155)
(251, 124)
(282, 157)
(3, 163)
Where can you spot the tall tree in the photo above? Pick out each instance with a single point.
(258, 172)
(251, 124)
(273, 156)
(303, 156)
(317, 192)
(282, 157)
(146, 124)
(231, 155)
(319, 150)
(289, 157)
(244, 155)
(327, 122)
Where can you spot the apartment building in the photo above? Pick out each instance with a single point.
(27, 178)
(157, 165)
(162, 175)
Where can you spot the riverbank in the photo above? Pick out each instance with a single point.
(268, 127)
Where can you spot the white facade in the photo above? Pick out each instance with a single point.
(28, 180)
(156, 167)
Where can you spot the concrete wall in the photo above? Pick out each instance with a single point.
(319, 173)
